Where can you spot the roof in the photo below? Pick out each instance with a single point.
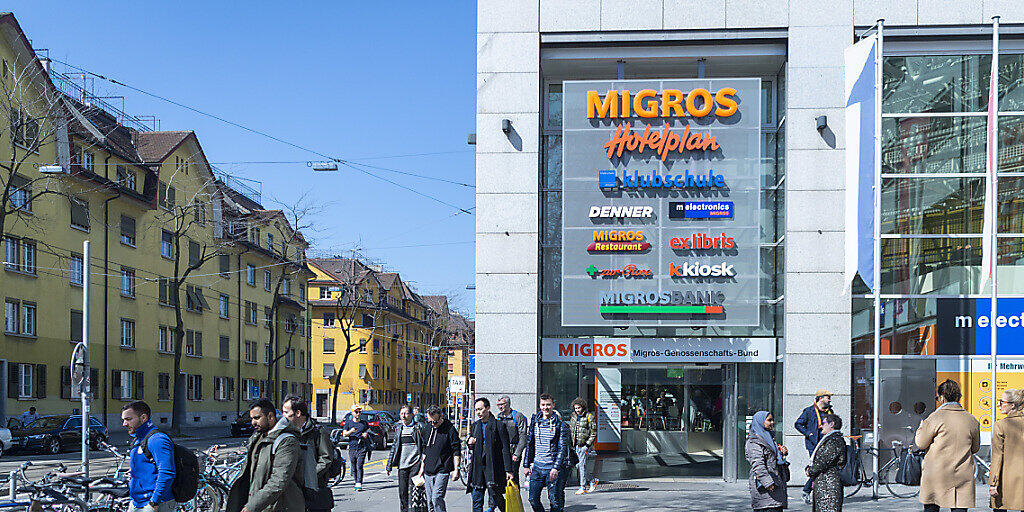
(438, 303)
(155, 146)
(343, 269)
(387, 280)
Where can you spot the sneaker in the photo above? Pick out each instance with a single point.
(581, 491)
(807, 498)
(593, 486)
(359, 487)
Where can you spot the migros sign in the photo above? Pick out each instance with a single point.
(667, 103)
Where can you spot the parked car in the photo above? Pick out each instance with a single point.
(6, 440)
(382, 429)
(242, 426)
(53, 434)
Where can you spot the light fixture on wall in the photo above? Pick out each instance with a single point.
(506, 125)
(821, 122)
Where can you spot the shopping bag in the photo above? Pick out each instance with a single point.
(513, 501)
(418, 499)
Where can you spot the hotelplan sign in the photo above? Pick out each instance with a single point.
(658, 350)
(663, 177)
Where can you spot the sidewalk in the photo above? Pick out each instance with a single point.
(119, 436)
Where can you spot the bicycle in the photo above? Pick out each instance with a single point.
(981, 470)
(340, 455)
(886, 473)
(464, 460)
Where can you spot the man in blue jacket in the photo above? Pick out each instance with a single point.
(546, 461)
(150, 485)
(809, 424)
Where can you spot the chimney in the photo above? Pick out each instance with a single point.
(45, 62)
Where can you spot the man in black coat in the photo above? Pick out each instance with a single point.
(809, 424)
(490, 457)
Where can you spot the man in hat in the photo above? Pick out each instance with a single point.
(357, 430)
(809, 424)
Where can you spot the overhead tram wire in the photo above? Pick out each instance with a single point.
(347, 163)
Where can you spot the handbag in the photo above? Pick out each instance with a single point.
(908, 470)
(850, 474)
(784, 471)
(418, 499)
(513, 500)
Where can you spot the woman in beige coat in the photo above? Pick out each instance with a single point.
(1006, 480)
(950, 436)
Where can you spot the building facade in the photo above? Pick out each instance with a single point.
(164, 230)
(557, 79)
(375, 341)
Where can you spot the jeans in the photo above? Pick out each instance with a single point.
(582, 452)
(436, 486)
(497, 498)
(810, 481)
(935, 508)
(167, 506)
(515, 471)
(540, 477)
(357, 457)
(404, 486)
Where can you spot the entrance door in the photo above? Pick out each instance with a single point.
(660, 421)
(321, 404)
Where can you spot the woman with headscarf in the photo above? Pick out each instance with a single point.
(827, 462)
(769, 470)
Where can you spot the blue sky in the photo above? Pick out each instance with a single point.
(348, 79)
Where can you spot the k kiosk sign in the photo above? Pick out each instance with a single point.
(651, 170)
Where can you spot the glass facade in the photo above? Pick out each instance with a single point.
(934, 131)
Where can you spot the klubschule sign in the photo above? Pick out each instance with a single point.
(661, 176)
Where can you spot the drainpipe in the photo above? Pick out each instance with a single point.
(106, 290)
(238, 371)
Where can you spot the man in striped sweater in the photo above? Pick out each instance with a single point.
(547, 455)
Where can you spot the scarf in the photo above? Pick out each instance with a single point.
(757, 428)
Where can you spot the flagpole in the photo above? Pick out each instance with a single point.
(877, 252)
(993, 158)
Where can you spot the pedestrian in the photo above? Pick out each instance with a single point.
(547, 456)
(490, 457)
(517, 425)
(809, 424)
(440, 459)
(357, 430)
(1006, 477)
(419, 419)
(316, 455)
(950, 437)
(28, 417)
(827, 461)
(151, 478)
(583, 434)
(768, 466)
(405, 454)
(269, 481)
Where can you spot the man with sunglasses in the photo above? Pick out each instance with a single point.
(440, 458)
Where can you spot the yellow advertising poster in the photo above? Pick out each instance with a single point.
(975, 378)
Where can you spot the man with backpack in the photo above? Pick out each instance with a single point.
(152, 476)
(269, 481)
(547, 455)
(317, 462)
(517, 425)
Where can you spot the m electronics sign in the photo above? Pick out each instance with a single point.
(660, 203)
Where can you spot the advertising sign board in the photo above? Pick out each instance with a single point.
(658, 350)
(661, 202)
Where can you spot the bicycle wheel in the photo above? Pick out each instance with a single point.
(887, 476)
(210, 498)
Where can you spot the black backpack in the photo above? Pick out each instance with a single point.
(186, 469)
(334, 468)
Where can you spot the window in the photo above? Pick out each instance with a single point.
(76, 326)
(325, 293)
(11, 321)
(290, 325)
(290, 358)
(126, 385)
(76, 269)
(302, 359)
(367, 321)
(19, 255)
(194, 387)
(164, 343)
(267, 317)
(302, 292)
(194, 299)
(199, 211)
(225, 265)
(362, 346)
(270, 241)
(266, 354)
(128, 230)
(193, 343)
(250, 275)
(25, 381)
(254, 235)
(266, 280)
(225, 348)
(328, 370)
(88, 161)
(387, 371)
(362, 371)
(127, 282)
(165, 196)
(194, 254)
(167, 244)
(398, 374)
(225, 304)
(376, 346)
(127, 333)
(163, 382)
(328, 319)
(21, 193)
(328, 345)
(286, 286)
(79, 213)
(250, 312)
(125, 178)
(250, 352)
(11, 252)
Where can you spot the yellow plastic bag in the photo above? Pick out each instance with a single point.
(513, 501)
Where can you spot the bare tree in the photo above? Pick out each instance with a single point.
(437, 344)
(350, 303)
(35, 120)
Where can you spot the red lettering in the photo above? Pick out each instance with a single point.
(622, 350)
(609, 350)
(598, 350)
(566, 350)
(585, 350)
